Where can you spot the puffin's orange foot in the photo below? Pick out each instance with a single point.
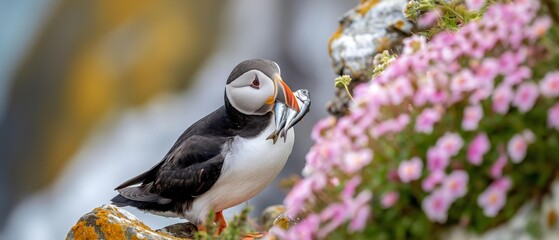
(252, 236)
(220, 221)
(202, 228)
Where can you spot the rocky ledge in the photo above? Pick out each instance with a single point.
(111, 222)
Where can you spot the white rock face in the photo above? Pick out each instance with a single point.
(363, 34)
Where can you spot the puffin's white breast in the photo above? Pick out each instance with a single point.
(249, 166)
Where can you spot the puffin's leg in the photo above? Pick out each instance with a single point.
(252, 235)
(220, 221)
(201, 228)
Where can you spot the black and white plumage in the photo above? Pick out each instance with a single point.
(223, 159)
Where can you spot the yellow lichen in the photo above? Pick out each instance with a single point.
(110, 230)
(334, 36)
(282, 222)
(383, 43)
(365, 6)
(399, 24)
(135, 223)
(83, 232)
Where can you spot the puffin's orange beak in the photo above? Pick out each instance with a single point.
(284, 94)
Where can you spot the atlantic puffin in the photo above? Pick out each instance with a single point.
(223, 159)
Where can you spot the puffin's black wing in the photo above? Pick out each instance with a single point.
(190, 169)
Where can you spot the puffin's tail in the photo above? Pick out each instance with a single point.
(121, 201)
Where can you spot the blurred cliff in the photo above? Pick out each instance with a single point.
(94, 92)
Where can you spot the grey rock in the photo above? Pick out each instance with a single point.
(111, 222)
(370, 28)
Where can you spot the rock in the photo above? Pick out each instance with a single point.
(180, 230)
(270, 214)
(277, 216)
(370, 28)
(111, 222)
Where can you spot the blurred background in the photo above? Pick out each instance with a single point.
(95, 92)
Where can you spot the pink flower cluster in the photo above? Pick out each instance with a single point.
(413, 95)
(454, 186)
(353, 208)
(493, 199)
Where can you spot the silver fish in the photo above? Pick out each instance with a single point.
(280, 110)
(305, 97)
(291, 114)
(286, 118)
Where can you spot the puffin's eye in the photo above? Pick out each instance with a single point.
(255, 83)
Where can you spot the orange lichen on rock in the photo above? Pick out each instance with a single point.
(337, 34)
(399, 24)
(111, 222)
(109, 229)
(365, 6)
(82, 231)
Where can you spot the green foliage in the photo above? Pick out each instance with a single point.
(343, 82)
(236, 229)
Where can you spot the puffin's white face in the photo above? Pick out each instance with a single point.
(252, 93)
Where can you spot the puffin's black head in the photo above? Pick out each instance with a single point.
(253, 86)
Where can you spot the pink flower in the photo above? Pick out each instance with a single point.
(429, 18)
(402, 122)
(423, 94)
(472, 116)
(322, 126)
(399, 90)
(333, 216)
(517, 147)
(296, 198)
(539, 27)
(358, 209)
(437, 159)
(354, 161)
(463, 81)
(426, 119)
(479, 147)
(487, 70)
(456, 184)
(350, 187)
(501, 99)
(450, 143)
(549, 86)
(410, 170)
(525, 96)
(518, 75)
(355, 208)
(484, 90)
(553, 117)
(389, 199)
(475, 4)
(492, 200)
(359, 218)
(508, 62)
(306, 229)
(502, 184)
(496, 170)
(432, 180)
(436, 206)
(414, 44)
